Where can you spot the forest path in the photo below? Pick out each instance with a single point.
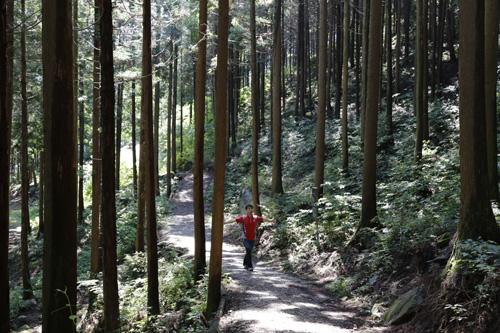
(265, 300)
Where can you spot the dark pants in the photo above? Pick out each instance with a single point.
(247, 261)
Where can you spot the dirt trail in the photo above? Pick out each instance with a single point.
(265, 300)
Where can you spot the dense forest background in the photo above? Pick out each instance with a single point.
(346, 120)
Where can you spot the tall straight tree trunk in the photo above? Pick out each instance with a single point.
(441, 21)
(147, 112)
(388, 28)
(277, 185)
(215, 270)
(301, 78)
(255, 111)
(60, 244)
(338, 63)
(5, 124)
(407, 13)
(199, 121)
(364, 71)
(421, 73)
(491, 21)
(25, 214)
(169, 127)
(96, 255)
(450, 29)
(110, 274)
(174, 113)
(141, 198)
(75, 94)
(322, 98)
(81, 134)
(119, 113)
(476, 216)
(345, 88)
(41, 197)
(398, 47)
(369, 197)
(181, 120)
(134, 150)
(357, 40)
(156, 138)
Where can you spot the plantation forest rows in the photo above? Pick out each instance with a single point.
(367, 128)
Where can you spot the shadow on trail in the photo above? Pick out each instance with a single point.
(265, 300)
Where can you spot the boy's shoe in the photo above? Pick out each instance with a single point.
(250, 269)
(245, 266)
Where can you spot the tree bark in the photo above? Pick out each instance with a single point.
(119, 113)
(369, 197)
(421, 73)
(199, 209)
(476, 216)
(388, 28)
(134, 140)
(96, 255)
(215, 271)
(277, 185)
(398, 47)
(25, 214)
(255, 111)
(5, 124)
(110, 274)
(490, 64)
(322, 98)
(345, 88)
(364, 71)
(147, 112)
(174, 113)
(60, 243)
(156, 138)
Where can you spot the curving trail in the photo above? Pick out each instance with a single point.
(265, 300)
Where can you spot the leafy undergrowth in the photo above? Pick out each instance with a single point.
(181, 299)
(418, 207)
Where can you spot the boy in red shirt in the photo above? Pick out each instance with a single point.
(250, 223)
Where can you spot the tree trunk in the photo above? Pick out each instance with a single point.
(41, 196)
(96, 255)
(169, 127)
(255, 112)
(490, 69)
(389, 66)
(322, 98)
(476, 216)
(134, 150)
(119, 109)
(398, 48)
(174, 114)
(277, 185)
(364, 71)
(5, 124)
(301, 79)
(369, 198)
(25, 213)
(81, 129)
(421, 72)
(345, 88)
(110, 274)
(60, 243)
(407, 13)
(215, 271)
(199, 209)
(156, 138)
(147, 112)
(338, 63)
